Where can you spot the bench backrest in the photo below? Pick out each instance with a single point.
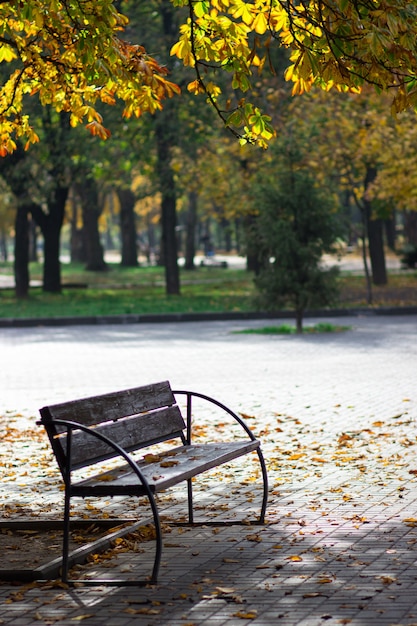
(134, 418)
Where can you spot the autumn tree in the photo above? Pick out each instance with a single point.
(77, 57)
(341, 45)
(74, 56)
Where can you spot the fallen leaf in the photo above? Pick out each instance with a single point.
(324, 580)
(387, 579)
(151, 458)
(246, 615)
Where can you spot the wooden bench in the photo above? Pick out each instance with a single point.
(88, 431)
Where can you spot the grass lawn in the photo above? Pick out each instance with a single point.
(121, 291)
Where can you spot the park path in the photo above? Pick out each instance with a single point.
(337, 415)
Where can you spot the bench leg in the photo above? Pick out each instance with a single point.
(265, 486)
(190, 501)
(157, 559)
(65, 538)
(158, 539)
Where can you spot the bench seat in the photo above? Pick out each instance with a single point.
(178, 464)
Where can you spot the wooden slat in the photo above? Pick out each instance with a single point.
(188, 461)
(111, 406)
(130, 434)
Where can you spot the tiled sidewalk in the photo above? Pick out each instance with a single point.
(337, 416)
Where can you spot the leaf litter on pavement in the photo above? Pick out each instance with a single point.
(332, 472)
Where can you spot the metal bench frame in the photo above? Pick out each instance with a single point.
(64, 429)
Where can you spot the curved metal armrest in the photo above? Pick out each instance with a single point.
(70, 426)
(191, 394)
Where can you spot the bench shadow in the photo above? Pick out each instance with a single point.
(284, 571)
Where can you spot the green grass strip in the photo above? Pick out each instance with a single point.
(287, 329)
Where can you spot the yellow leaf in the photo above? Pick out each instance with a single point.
(295, 558)
(296, 456)
(98, 130)
(169, 463)
(260, 24)
(324, 580)
(151, 458)
(246, 615)
(195, 87)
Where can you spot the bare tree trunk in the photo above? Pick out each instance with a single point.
(3, 246)
(166, 134)
(410, 227)
(128, 228)
(166, 120)
(33, 241)
(369, 295)
(191, 225)
(91, 211)
(390, 232)
(21, 252)
(375, 235)
(298, 321)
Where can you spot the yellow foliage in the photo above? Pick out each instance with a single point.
(331, 46)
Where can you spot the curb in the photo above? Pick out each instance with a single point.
(96, 320)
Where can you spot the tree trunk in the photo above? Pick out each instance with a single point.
(128, 228)
(410, 227)
(369, 294)
(164, 129)
(166, 134)
(52, 264)
(390, 231)
(191, 225)
(237, 229)
(93, 249)
(56, 138)
(77, 253)
(152, 247)
(256, 259)
(375, 236)
(299, 321)
(21, 252)
(3, 246)
(33, 241)
(376, 251)
(227, 232)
